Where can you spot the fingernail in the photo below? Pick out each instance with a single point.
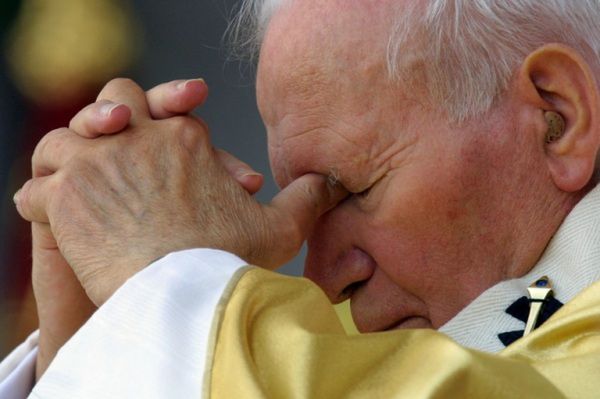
(17, 197)
(252, 174)
(184, 85)
(107, 109)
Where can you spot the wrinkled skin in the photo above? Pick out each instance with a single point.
(62, 304)
(101, 197)
(107, 195)
(440, 212)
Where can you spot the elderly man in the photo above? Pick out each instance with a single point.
(438, 156)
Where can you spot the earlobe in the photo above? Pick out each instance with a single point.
(567, 94)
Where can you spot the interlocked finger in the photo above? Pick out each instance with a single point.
(176, 98)
(33, 198)
(99, 118)
(55, 150)
(126, 91)
(251, 180)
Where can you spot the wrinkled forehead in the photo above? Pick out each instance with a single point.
(323, 86)
(313, 46)
(322, 26)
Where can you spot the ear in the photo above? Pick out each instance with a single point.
(556, 78)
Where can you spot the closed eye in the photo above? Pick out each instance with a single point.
(365, 193)
(368, 193)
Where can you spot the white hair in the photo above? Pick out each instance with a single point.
(248, 25)
(470, 48)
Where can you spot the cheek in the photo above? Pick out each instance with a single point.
(416, 232)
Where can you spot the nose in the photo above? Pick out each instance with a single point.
(338, 275)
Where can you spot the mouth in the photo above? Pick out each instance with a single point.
(410, 322)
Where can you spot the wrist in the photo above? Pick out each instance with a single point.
(47, 349)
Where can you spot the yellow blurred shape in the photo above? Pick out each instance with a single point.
(60, 47)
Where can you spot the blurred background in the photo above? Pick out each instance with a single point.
(56, 55)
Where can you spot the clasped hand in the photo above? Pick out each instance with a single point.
(117, 202)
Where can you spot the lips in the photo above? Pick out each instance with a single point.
(387, 307)
(410, 322)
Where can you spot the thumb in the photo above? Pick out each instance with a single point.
(295, 210)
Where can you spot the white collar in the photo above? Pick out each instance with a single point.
(571, 261)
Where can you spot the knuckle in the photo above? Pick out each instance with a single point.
(50, 137)
(117, 85)
(188, 133)
(119, 82)
(61, 185)
(104, 153)
(52, 141)
(62, 191)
